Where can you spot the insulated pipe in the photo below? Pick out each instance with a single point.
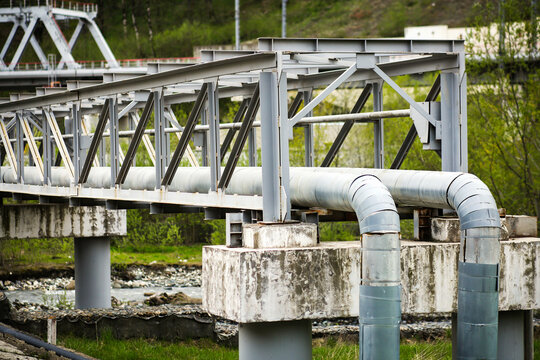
(465, 193)
(380, 305)
(41, 344)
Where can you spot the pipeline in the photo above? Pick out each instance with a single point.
(40, 343)
(465, 193)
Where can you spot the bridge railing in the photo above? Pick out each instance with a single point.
(62, 4)
(102, 64)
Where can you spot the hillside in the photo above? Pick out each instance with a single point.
(170, 28)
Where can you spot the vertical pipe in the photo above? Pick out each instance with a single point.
(378, 127)
(92, 273)
(269, 144)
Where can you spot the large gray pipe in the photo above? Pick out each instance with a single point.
(465, 193)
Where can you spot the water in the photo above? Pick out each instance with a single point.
(53, 297)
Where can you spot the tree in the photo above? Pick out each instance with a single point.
(504, 132)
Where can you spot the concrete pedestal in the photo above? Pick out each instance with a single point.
(92, 273)
(275, 340)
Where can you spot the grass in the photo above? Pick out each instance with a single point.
(109, 348)
(328, 349)
(51, 252)
(181, 254)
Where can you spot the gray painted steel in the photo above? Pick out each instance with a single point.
(92, 273)
(275, 340)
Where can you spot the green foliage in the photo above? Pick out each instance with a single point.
(145, 229)
(339, 231)
(30, 251)
(504, 131)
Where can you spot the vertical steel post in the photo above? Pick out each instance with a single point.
(114, 139)
(451, 132)
(92, 273)
(76, 131)
(378, 127)
(308, 133)
(270, 146)
(20, 148)
(285, 132)
(463, 123)
(204, 146)
(159, 137)
(213, 135)
(252, 147)
(47, 149)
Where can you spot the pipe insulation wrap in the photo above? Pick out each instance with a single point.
(379, 319)
(473, 202)
(477, 330)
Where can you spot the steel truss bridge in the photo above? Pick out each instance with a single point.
(82, 162)
(26, 15)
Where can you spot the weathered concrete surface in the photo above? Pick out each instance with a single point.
(260, 236)
(31, 221)
(259, 285)
(521, 226)
(446, 229)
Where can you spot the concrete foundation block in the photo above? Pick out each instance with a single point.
(279, 235)
(265, 285)
(446, 229)
(521, 226)
(30, 221)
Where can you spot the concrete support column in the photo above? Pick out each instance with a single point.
(275, 340)
(92, 272)
(515, 335)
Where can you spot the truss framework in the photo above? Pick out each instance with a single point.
(310, 69)
(49, 13)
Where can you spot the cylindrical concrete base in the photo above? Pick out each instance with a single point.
(275, 340)
(92, 273)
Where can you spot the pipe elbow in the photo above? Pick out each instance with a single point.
(373, 205)
(473, 202)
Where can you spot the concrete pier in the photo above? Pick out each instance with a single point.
(92, 273)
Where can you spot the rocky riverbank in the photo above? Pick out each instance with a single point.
(134, 276)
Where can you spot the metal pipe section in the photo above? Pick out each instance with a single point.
(41, 344)
(380, 290)
(465, 193)
(92, 273)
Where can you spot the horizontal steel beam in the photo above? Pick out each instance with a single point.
(400, 46)
(171, 77)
